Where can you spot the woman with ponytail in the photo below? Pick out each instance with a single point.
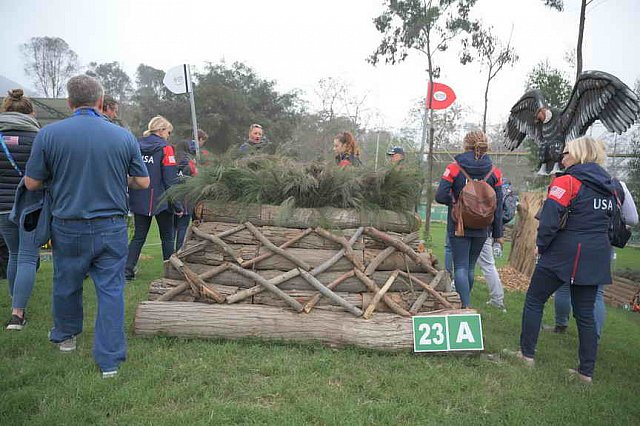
(346, 150)
(466, 246)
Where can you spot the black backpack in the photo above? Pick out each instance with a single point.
(619, 232)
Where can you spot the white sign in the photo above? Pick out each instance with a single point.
(175, 79)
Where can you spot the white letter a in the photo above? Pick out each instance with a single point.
(464, 333)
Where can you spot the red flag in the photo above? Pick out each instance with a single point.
(443, 96)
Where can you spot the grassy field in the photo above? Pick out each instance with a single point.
(170, 380)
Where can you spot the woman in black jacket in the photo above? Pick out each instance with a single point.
(18, 129)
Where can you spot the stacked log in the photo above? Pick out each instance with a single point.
(621, 292)
(343, 275)
(522, 257)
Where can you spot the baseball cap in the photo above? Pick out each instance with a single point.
(395, 150)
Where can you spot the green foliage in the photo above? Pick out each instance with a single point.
(271, 179)
(552, 82)
(555, 4)
(114, 79)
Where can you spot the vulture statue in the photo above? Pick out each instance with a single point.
(596, 95)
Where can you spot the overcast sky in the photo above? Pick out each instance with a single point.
(296, 43)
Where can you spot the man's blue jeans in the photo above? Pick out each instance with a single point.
(99, 247)
(23, 261)
(562, 304)
(543, 283)
(466, 251)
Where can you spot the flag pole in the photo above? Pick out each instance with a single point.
(194, 120)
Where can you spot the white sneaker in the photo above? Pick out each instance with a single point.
(68, 345)
(109, 374)
(499, 306)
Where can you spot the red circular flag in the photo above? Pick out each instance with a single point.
(443, 96)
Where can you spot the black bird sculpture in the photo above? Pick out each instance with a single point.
(596, 95)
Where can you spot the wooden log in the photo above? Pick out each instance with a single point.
(187, 249)
(383, 332)
(333, 284)
(429, 290)
(522, 257)
(264, 215)
(380, 294)
(348, 251)
(376, 261)
(197, 284)
(373, 287)
(218, 242)
(326, 292)
(275, 281)
(159, 288)
(351, 284)
(275, 249)
(401, 247)
(272, 288)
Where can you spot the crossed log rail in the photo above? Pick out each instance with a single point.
(232, 261)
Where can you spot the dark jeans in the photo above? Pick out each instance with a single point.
(181, 224)
(466, 251)
(142, 224)
(543, 283)
(96, 246)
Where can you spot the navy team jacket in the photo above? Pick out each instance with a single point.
(581, 253)
(453, 181)
(160, 160)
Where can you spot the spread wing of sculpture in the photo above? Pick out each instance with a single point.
(596, 95)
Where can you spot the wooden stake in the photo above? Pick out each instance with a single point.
(376, 261)
(198, 286)
(333, 284)
(379, 295)
(275, 249)
(373, 287)
(201, 245)
(272, 288)
(402, 247)
(330, 294)
(251, 262)
(430, 288)
(243, 294)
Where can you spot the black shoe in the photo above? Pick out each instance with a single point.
(559, 329)
(16, 323)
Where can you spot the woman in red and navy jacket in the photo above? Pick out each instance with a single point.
(160, 160)
(577, 253)
(466, 249)
(346, 149)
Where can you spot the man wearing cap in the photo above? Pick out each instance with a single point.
(396, 155)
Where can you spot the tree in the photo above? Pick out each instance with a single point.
(552, 82)
(426, 26)
(114, 79)
(494, 56)
(50, 63)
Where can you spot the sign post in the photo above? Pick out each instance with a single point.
(178, 80)
(443, 333)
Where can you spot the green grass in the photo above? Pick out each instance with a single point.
(172, 380)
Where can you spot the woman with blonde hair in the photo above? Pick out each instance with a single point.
(573, 235)
(145, 204)
(473, 163)
(346, 149)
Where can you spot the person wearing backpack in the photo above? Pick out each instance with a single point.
(573, 245)
(471, 187)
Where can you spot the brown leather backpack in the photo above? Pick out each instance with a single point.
(476, 204)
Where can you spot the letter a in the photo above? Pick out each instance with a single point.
(464, 333)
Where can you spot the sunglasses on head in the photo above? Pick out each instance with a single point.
(565, 153)
(256, 126)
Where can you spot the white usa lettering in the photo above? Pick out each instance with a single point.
(602, 204)
(147, 159)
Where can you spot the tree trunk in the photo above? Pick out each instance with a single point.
(486, 101)
(583, 9)
(383, 331)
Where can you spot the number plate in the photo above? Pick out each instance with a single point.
(459, 332)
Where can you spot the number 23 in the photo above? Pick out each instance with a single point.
(437, 329)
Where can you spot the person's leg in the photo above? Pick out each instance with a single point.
(107, 272)
(141, 226)
(562, 306)
(475, 248)
(164, 220)
(72, 253)
(488, 267)
(9, 231)
(600, 312)
(28, 255)
(460, 249)
(583, 298)
(181, 224)
(543, 284)
(448, 255)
